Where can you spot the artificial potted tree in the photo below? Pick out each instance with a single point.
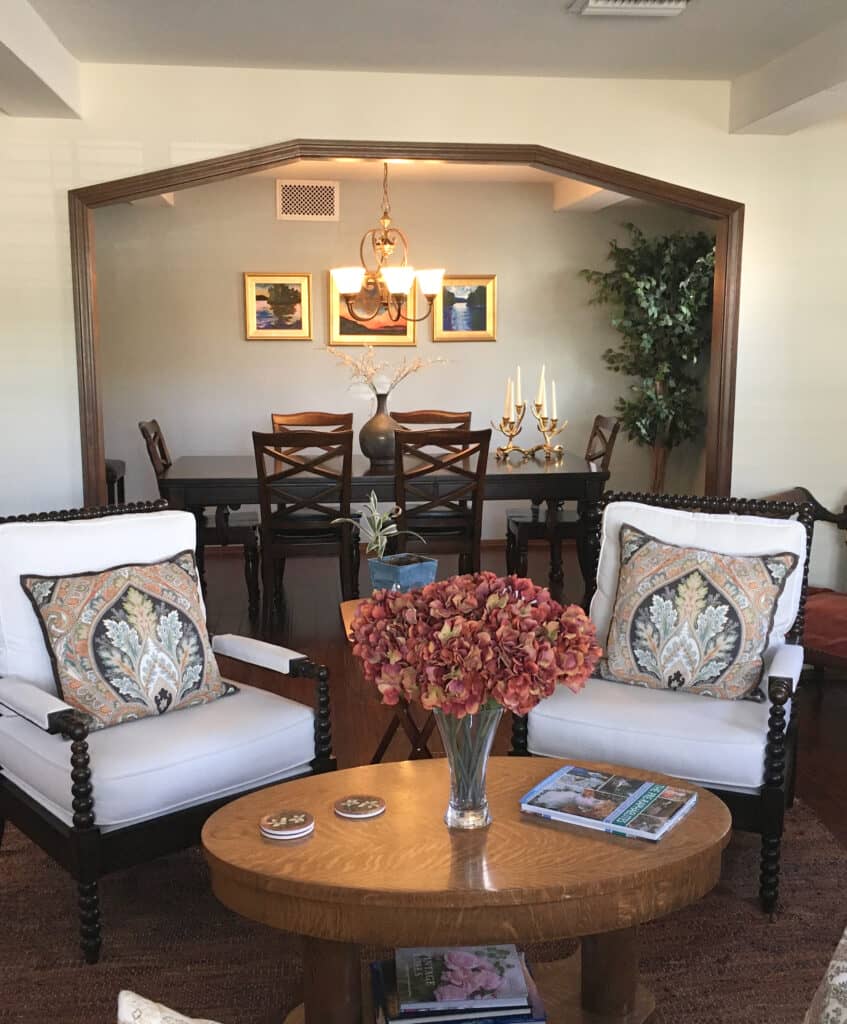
(404, 571)
(662, 290)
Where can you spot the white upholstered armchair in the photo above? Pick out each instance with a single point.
(742, 750)
(104, 800)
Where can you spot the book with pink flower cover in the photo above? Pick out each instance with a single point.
(459, 978)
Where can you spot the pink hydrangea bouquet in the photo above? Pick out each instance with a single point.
(468, 642)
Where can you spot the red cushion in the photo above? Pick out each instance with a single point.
(826, 623)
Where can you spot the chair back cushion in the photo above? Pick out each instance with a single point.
(726, 534)
(691, 619)
(128, 642)
(73, 546)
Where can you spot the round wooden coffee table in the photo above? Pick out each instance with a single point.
(404, 879)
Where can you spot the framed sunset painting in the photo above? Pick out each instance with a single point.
(278, 307)
(382, 330)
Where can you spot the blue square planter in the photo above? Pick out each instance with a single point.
(390, 573)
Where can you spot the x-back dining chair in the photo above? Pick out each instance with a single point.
(217, 530)
(441, 419)
(448, 515)
(524, 525)
(305, 482)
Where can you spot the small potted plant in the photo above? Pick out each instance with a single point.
(390, 572)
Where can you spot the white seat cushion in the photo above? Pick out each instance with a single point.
(718, 743)
(153, 766)
(726, 534)
(63, 548)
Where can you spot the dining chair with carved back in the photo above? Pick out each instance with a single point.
(219, 528)
(450, 520)
(524, 525)
(301, 523)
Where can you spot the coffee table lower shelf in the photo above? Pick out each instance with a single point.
(559, 982)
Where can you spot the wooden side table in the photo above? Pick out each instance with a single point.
(404, 879)
(403, 715)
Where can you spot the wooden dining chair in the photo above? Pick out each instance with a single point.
(311, 421)
(450, 520)
(215, 528)
(302, 524)
(440, 418)
(524, 525)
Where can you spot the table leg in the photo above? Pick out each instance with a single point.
(200, 554)
(332, 982)
(557, 576)
(610, 973)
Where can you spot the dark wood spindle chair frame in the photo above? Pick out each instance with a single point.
(85, 852)
(764, 812)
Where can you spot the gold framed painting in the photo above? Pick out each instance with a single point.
(466, 309)
(278, 307)
(381, 330)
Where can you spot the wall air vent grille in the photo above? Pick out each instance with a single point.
(629, 8)
(307, 200)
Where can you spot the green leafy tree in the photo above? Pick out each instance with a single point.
(661, 291)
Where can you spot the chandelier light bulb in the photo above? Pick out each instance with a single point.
(348, 280)
(430, 281)
(398, 280)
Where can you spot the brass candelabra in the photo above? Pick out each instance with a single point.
(549, 428)
(510, 428)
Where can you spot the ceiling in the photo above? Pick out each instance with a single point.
(713, 39)
(349, 169)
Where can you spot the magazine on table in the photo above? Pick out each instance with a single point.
(613, 803)
(459, 978)
(387, 1007)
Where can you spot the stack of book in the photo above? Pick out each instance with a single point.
(471, 984)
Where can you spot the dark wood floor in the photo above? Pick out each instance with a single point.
(310, 623)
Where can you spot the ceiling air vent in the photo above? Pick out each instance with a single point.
(307, 200)
(629, 8)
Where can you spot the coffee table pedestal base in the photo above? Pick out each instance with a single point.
(597, 985)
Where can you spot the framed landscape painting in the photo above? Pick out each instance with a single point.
(278, 307)
(466, 309)
(382, 330)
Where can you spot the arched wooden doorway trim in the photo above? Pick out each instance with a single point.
(727, 214)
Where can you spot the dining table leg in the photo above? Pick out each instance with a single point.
(200, 551)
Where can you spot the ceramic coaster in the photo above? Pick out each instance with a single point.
(287, 825)
(277, 838)
(359, 806)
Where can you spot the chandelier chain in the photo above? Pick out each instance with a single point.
(386, 201)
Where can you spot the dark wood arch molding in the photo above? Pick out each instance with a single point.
(728, 214)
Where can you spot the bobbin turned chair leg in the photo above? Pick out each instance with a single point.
(89, 921)
(769, 874)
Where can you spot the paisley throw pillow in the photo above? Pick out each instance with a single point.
(128, 642)
(686, 619)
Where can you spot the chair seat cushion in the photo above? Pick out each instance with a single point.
(715, 743)
(152, 766)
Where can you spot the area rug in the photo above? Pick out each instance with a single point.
(168, 938)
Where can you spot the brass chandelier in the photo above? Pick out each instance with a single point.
(369, 290)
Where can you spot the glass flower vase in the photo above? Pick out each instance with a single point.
(467, 743)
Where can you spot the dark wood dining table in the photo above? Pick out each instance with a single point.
(195, 482)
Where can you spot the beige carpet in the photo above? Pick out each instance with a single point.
(719, 962)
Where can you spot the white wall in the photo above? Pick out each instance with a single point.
(172, 323)
(790, 412)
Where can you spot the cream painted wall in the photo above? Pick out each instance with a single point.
(790, 412)
(172, 321)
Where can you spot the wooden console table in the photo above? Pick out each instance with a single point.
(404, 879)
